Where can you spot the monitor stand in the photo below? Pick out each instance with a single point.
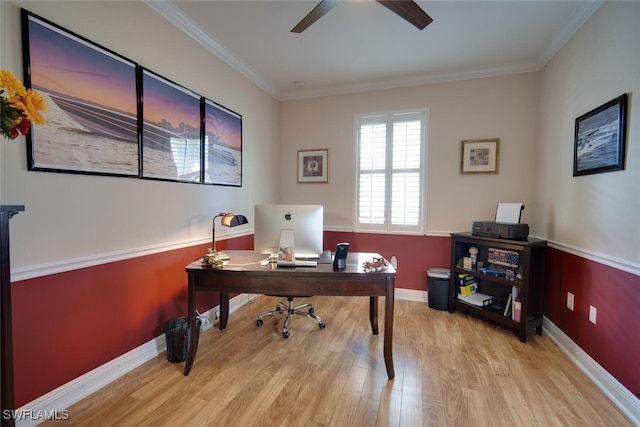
(286, 249)
(287, 240)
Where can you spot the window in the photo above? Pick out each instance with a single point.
(390, 171)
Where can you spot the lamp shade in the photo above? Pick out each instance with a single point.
(232, 220)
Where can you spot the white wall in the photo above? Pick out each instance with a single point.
(500, 107)
(595, 213)
(69, 217)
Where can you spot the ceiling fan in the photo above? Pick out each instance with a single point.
(407, 9)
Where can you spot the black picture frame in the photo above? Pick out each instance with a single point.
(600, 138)
(92, 95)
(171, 130)
(222, 156)
(110, 116)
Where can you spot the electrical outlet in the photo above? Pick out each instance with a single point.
(570, 301)
(592, 314)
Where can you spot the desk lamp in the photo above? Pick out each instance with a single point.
(228, 220)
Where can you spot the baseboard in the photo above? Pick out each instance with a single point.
(411, 295)
(72, 392)
(620, 395)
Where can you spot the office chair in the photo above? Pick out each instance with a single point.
(290, 309)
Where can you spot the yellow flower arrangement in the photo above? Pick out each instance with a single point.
(19, 107)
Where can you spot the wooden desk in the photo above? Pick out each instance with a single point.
(244, 274)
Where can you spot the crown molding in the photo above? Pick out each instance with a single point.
(582, 13)
(174, 15)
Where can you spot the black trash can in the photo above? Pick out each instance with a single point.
(438, 288)
(177, 336)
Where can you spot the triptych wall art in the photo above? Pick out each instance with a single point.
(110, 116)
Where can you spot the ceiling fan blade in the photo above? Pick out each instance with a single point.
(409, 10)
(323, 7)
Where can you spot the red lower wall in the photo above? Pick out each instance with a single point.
(614, 341)
(415, 254)
(67, 324)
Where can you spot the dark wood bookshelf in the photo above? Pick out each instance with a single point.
(527, 281)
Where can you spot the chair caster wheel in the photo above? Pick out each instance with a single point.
(311, 311)
(322, 325)
(259, 322)
(285, 335)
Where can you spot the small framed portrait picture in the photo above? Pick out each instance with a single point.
(313, 165)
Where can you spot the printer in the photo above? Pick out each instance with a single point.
(506, 225)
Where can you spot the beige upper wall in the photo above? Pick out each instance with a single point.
(500, 107)
(74, 217)
(597, 214)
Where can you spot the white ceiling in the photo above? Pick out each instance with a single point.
(361, 45)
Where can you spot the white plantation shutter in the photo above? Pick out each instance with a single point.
(372, 173)
(390, 171)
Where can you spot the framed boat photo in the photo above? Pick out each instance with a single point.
(87, 131)
(600, 138)
(171, 126)
(222, 145)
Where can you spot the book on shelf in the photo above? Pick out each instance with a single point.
(469, 289)
(465, 279)
(517, 307)
(515, 296)
(468, 284)
(507, 307)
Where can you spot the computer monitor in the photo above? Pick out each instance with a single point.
(306, 221)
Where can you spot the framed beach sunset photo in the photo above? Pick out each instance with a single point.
(222, 145)
(91, 92)
(171, 126)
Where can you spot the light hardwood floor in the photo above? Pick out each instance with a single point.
(451, 370)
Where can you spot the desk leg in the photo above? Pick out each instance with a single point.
(224, 311)
(388, 327)
(373, 314)
(192, 345)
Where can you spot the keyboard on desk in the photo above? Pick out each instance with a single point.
(297, 263)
